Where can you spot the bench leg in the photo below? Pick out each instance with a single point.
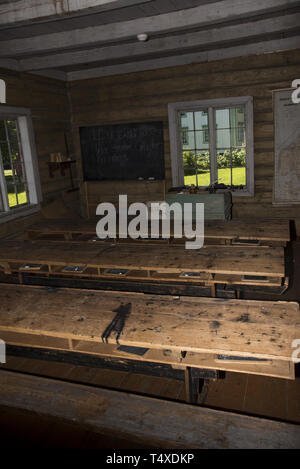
(191, 390)
(197, 381)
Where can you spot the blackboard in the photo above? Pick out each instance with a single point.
(123, 151)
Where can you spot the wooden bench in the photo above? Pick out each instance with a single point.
(165, 424)
(234, 232)
(188, 333)
(209, 266)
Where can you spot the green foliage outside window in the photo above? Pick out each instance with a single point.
(203, 164)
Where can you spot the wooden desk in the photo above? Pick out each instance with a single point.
(209, 265)
(234, 232)
(187, 333)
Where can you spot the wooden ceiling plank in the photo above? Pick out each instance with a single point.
(183, 19)
(170, 45)
(266, 46)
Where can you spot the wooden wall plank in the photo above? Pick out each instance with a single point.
(144, 96)
(48, 100)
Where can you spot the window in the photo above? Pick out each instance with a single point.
(19, 180)
(212, 141)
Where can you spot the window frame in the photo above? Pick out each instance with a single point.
(25, 128)
(210, 105)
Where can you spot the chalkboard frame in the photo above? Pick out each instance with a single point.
(139, 142)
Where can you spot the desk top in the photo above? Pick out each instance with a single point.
(264, 261)
(251, 229)
(262, 329)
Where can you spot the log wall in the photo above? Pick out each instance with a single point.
(49, 103)
(144, 96)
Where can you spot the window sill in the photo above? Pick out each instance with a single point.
(237, 193)
(18, 213)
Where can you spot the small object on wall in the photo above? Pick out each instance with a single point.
(58, 158)
(59, 162)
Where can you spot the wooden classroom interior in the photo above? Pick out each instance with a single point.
(141, 342)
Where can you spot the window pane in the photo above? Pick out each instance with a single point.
(188, 140)
(203, 168)
(239, 176)
(189, 165)
(12, 198)
(195, 147)
(230, 134)
(2, 132)
(239, 167)
(202, 139)
(17, 191)
(21, 194)
(201, 118)
(224, 167)
(8, 175)
(5, 156)
(190, 179)
(223, 138)
(12, 130)
(187, 120)
(17, 164)
(240, 136)
(237, 114)
(222, 119)
(1, 202)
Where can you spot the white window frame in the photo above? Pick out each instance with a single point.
(211, 104)
(24, 120)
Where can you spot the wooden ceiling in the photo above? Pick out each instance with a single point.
(72, 39)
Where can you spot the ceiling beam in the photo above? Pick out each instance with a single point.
(194, 17)
(185, 59)
(10, 64)
(211, 38)
(28, 10)
(57, 74)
